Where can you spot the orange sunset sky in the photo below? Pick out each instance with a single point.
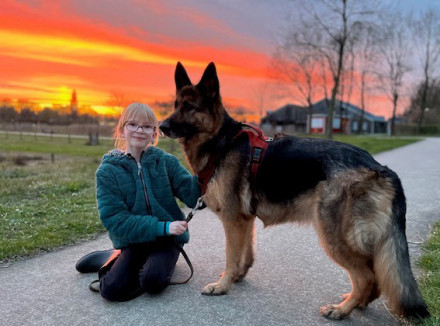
(130, 47)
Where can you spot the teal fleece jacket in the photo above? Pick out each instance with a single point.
(123, 208)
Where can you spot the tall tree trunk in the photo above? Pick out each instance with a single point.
(422, 106)
(337, 77)
(361, 119)
(395, 99)
(309, 121)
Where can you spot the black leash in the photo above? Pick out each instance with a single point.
(92, 288)
(199, 205)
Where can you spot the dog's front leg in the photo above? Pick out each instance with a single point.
(236, 245)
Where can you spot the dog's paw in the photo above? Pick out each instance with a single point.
(332, 312)
(214, 289)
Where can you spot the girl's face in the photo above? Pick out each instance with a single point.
(138, 134)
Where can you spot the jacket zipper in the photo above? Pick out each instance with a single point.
(147, 200)
(141, 175)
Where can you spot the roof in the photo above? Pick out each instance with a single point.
(287, 114)
(294, 114)
(345, 109)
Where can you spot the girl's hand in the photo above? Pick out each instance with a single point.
(178, 227)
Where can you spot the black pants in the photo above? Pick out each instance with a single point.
(138, 269)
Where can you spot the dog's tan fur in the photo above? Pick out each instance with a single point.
(351, 211)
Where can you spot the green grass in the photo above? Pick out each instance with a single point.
(373, 144)
(429, 262)
(56, 145)
(45, 204)
(376, 145)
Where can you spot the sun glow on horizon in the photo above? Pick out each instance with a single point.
(49, 49)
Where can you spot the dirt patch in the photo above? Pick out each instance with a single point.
(30, 159)
(22, 160)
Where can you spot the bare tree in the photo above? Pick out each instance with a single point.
(432, 111)
(395, 51)
(367, 52)
(327, 30)
(300, 68)
(261, 94)
(118, 101)
(427, 44)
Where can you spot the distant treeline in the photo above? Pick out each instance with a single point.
(9, 114)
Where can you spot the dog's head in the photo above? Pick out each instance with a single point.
(198, 108)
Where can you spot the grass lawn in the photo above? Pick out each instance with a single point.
(430, 282)
(46, 204)
(374, 144)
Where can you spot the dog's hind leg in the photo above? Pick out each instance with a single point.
(364, 290)
(237, 243)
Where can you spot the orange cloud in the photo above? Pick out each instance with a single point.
(42, 54)
(47, 50)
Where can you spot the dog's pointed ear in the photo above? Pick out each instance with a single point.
(209, 84)
(181, 77)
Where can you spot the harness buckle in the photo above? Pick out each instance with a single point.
(256, 156)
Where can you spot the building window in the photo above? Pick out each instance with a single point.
(365, 126)
(318, 123)
(337, 123)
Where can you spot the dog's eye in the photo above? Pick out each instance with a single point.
(188, 106)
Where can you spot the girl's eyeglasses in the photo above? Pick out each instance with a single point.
(147, 129)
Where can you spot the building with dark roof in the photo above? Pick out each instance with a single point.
(288, 119)
(346, 119)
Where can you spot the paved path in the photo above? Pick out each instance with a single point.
(291, 278)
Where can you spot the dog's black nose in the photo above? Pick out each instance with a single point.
(165, 127)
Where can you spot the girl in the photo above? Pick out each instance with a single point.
(136, 188)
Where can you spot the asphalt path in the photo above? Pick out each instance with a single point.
(291, 278)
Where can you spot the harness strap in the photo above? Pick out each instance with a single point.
(206, 174)
(259, 143)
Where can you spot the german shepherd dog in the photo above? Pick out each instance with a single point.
(356, 205)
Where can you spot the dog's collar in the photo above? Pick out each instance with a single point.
(258, 143)
(207, 172)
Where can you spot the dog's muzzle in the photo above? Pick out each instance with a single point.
(165, 128)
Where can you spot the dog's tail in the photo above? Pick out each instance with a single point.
(392, 265)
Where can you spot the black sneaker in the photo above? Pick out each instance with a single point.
(92, 262)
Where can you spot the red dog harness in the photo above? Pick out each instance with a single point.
(258, 142)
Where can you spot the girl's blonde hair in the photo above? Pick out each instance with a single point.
(135, 111)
